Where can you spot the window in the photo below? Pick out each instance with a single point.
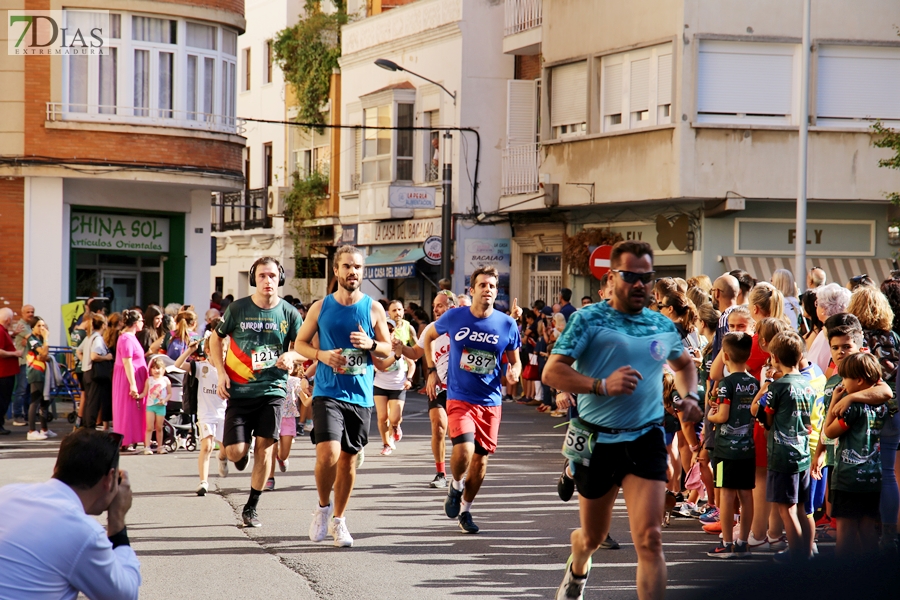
(405, 118)
(245, 74)
(267, 72)
(636, 88)
(843, 71)
(568, 99)
(157, 71)
(267, 163)
(376, 162)
(544, 278)
(311, 150)
(432, 151)
(745, 82)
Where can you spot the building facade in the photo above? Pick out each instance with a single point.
(107, 162)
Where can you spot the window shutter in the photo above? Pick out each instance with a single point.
(745, 78)
(568, 98)
(664, 80)
(640, 85)
(856, 82)
(521, 102)
(612, 89)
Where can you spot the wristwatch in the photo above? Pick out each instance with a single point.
(373, 346)
(692, 395)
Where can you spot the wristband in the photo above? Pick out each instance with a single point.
(692, 395)
(431, 369)
(695, 448)
(120, 539)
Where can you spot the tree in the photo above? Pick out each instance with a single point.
(890, 139)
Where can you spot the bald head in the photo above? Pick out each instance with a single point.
(816, 278)
(6, 317)
(725, 290)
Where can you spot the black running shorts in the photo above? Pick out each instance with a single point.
(391, 394)
(337, 421)
(246, 418)
(644, 457)
(440, 401)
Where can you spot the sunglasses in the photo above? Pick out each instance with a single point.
(631, 278)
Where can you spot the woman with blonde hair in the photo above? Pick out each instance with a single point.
(783, 280)
(185, 325)
(701, 281)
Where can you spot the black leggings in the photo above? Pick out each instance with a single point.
(37, 401)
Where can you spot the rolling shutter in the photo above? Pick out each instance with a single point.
(857, 82)
(745, 78)
(568, 98)
(521, 105)
(612, 89)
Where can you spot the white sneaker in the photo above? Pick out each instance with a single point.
(283, 464)
(779, 543)
(318, 529)
(49, 434)
(340, 533)
(36, 436)
(202, 488)
(756, 545)
(223, 467)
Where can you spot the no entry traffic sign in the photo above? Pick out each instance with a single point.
(599, 261)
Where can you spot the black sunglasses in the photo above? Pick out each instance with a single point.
(630, 277)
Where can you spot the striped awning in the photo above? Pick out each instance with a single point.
(837, 270)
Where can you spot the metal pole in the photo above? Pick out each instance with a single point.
(447, 209)
(800, 238)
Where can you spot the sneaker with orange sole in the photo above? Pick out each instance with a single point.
(713, 528)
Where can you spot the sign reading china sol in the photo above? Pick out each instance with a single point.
(130, 233)
(432, 248)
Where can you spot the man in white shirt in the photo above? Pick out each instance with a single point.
(54, 548)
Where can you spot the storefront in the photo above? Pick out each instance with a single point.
(396, 263)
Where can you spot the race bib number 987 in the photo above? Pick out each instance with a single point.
(357, 361)
(263, 358)
(480, 362)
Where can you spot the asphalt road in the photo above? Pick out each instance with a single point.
(405, 547)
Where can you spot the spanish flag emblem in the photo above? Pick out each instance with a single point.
(238, 365)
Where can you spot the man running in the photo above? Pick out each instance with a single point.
(437, 406)
(351, 327)
(251, 376)
(479, 335)
(611, 354)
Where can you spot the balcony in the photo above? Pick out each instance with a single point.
(122, 115)
(522, 30)
(520, 170)
(234, 211)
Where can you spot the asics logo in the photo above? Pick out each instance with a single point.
(476, 336)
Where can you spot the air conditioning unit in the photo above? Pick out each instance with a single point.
(276, 200)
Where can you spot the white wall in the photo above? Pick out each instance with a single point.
(197, 251)
(45, 277)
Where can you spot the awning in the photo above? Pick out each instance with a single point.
(393, 262)
(837, 270)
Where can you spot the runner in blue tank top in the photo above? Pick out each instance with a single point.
(352, 333)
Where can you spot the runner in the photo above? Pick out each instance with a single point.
(437, 407)
(617, 440)
(346, 321)
(391, 384)
(479, 335)
(253, 377)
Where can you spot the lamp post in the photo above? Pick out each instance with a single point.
(447, 206)
(800, 240)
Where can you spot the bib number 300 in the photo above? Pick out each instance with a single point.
(577, 445)
(480, 362)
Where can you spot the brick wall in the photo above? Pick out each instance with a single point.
(528, 67)
(235, 6)
(12, 219)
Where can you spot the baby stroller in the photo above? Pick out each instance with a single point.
(67, 389)
(179, 428)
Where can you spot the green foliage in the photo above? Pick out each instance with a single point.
(890, 139)
(306, 194)
(308, 52)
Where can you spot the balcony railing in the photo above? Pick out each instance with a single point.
(247, 209)
(130, 115)
(520, 169)
(522, 15)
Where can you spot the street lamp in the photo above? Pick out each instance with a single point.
(447, 207)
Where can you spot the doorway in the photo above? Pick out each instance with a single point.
(121, 287)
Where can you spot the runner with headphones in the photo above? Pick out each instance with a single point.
(253, 374)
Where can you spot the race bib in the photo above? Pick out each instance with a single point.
(578, 443)
(357, 361)
(397, 365)
(480, 362)
(263, 358)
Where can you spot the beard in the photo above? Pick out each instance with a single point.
(350, 286)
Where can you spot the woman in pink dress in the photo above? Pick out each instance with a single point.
(129, 375)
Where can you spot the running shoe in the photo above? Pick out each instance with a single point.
(452, 502)
(390, 441)
(741, 550)
(35, 436)
(609, 543)
(398, 433)
(532, 402)
(318, 529)
(4, 430)
(202, 488)
(19, 422)
(241, 464)
(779, 543)
(710, 516)
(147, 451)
(572, 588)
(340, 533)
(685, 509)
(824, 521)
(283, 464)
(270, 485)
(506, 398)
(360, 457)
(783, 557)
(722, 550)
(49, 434)
(439, 481)
(223, 467)
(466, 523)
(387, 451)
(702, 510)
(565, 485)
(250, 518)
(757, 545)
(826, 536)
(713, 528)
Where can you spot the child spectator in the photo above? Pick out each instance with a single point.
(158, 390)
(735, 459)
(856, 483)
(297, 388)
(788, 404)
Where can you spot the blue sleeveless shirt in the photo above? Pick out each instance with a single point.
(354, 382)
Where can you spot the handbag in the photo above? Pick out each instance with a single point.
(101, 370)
(531, 371)
(692, 481)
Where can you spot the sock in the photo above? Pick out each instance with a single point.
(740, 542)
(465, 506)
(338, 519)
(254, 499)
(324, 507)
(458, 485)
(440, 467)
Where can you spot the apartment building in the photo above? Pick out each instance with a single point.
(107, 162)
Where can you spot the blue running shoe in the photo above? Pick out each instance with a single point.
(711, 516)
(452, 502)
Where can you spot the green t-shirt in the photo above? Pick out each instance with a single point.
(35, 367)
(706, 361)
(258, 337)
(76, 337)
(857, 452)
(734, 438)
(833, 382)
(790, 401)
(403, 331)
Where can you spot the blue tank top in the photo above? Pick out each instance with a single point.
(353, 383)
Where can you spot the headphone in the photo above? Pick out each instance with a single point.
(266, 261)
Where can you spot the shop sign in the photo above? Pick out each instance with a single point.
(824, 237)
(410, 197)
(391, 271)
(652, 233)
(130, 233)
(433, 248)
(494, 253)
(396, 232)
(348, 235)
